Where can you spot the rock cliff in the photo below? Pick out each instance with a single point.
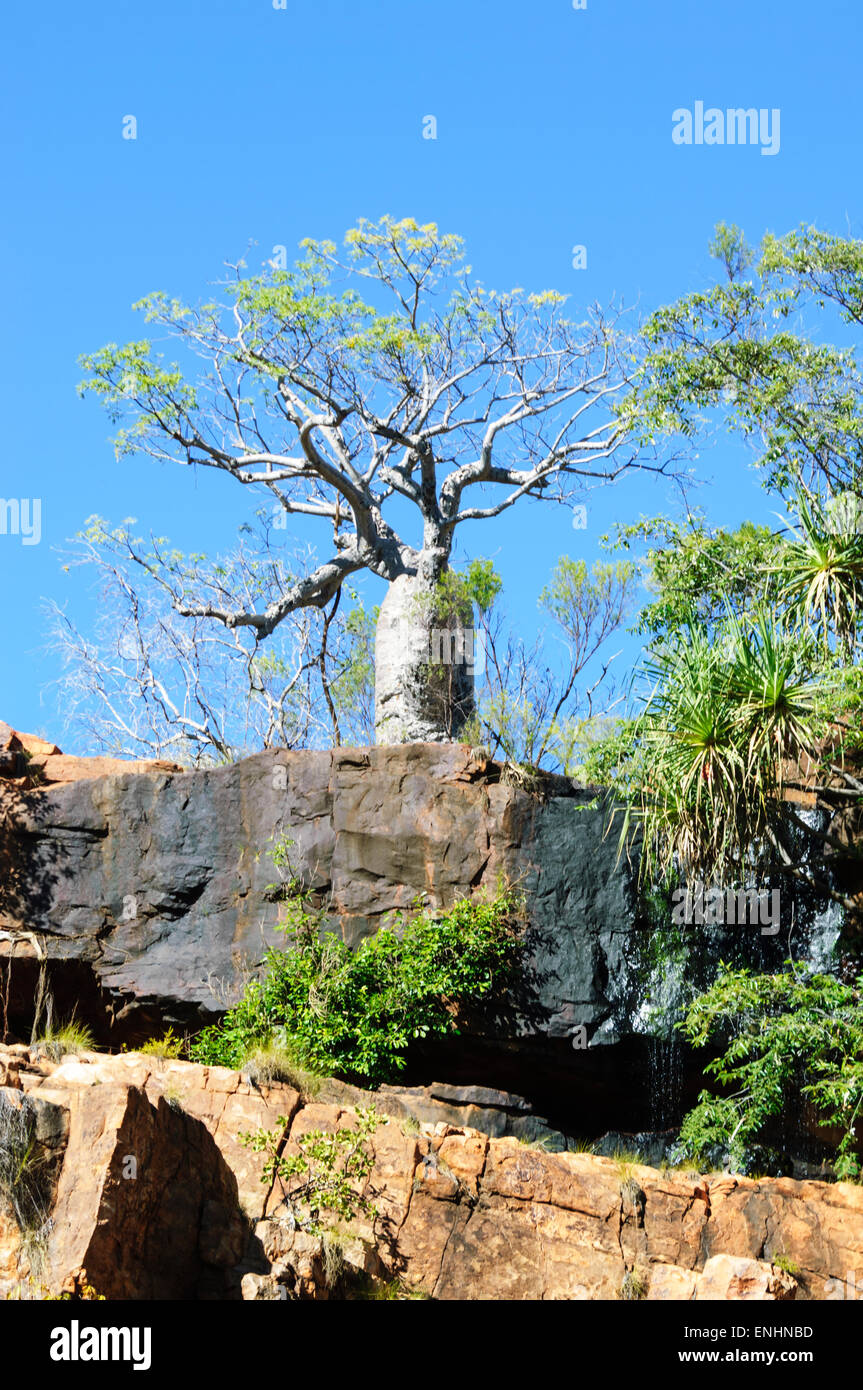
(151, 1195)
(143, 896)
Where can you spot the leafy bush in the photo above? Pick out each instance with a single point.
(355, 1012)
(794, 1034)
(323, 1174)
(725, 714)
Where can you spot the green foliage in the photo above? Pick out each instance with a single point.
(355, 1012)
(821, 569)
(724, 714)
(66, 1039)
(289, 884)
(169, 1046)
(737, 688)
(794, 1034)
(634, 1287)
(730, 351)
(23, 1187)
(699, 574)
(481, 584)
(321, 1181)
(603, 753)
(577, 596)
(530, 714)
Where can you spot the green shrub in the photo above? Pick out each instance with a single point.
(25, 1185)
(169, 1046)
(355, 1012)
(322, 1177)
(793, 1035)
(634, 1287)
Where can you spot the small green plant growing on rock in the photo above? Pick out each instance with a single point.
(321, 1182)
(170, 1046)
(582, 1146)
(786, 1264)
(289, 884)
(25, 1187)
(634, 1287)
(66, 1039)
(632, 1194)
(334, 1257)
(541, 1143)
(366, 1289)
(174, 1097)
(274, 1060)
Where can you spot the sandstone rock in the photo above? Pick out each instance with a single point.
(30, 743)
(729, 1276)
(671, 1283)
(157, 1198)
(41, 762)
(56, 767)
(150, 889)
(262, 1287)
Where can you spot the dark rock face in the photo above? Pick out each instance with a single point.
(147, 898)
(159, 885)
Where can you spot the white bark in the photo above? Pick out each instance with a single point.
(424, 667)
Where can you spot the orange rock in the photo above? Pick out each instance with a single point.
(671, 1283)
(734, 1277)
(60, 767)
(156, 1197)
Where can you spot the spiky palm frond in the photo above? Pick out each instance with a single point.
(821, 568)
(723, 716)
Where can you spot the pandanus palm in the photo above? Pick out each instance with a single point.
(725, 711)
(821, 567)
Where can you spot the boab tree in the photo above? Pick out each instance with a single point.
(383, 392)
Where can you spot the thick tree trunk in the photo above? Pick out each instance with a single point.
(424, 666)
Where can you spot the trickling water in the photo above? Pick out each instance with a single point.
(667, 966)
(665, 1069)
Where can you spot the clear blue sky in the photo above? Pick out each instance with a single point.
(554, 128)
